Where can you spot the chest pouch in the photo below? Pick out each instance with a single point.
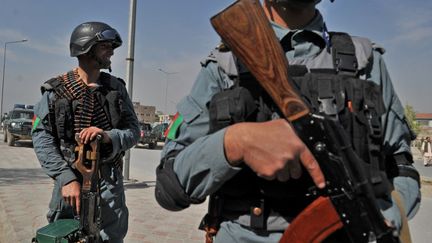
(115, 107)
(358, 105)
(63, 116)
(231, 106)
(65, 128)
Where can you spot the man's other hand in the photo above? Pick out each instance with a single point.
(71, 195)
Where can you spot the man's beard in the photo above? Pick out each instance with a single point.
(103, 63)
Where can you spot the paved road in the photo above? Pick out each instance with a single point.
(144, 162)
(25, 191)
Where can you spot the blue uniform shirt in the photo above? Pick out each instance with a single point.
(114, 213)
(202, 167)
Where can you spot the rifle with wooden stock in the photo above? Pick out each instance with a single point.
(86, 229)
(348, 201)
(87, 163)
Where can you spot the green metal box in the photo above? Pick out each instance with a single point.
(59, 231)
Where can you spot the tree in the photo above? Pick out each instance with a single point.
(410, 115)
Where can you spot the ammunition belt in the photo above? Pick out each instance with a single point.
(88, 112)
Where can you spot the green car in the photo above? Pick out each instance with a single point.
(146, 136)
(17, 124)
(159, 131)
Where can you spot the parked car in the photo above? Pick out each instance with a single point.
(17, 124)
(158, 131)
(147, 137)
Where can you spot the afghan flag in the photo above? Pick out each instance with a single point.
(35, 122)
(171, 131)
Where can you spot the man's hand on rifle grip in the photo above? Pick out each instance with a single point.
(71, 193)
(271, 149)
(89, 134)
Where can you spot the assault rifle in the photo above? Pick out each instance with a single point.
(88, 227)
(348, 202)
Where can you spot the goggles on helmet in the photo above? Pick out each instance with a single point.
(110, 35)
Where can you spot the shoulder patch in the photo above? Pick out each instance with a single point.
(35, 123)
(171, 131)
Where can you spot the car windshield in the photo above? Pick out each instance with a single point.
(22, 114)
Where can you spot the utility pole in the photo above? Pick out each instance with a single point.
(4, 70)
(129, 71)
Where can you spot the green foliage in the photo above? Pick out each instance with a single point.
(410, 115)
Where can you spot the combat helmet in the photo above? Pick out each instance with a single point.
(85, 35)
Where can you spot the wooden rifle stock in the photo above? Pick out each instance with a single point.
(88, 171)
(314, 224)
(87, 163)
(245, 29)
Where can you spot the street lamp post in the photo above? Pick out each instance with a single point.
(166, 87)
(129, 73)
(4, 70)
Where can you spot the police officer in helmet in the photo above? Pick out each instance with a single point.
(87, 102)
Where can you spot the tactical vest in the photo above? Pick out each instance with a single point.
(76, 106)
(335, 91)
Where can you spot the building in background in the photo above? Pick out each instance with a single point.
(145, 113)
(149, 114)
(164, 118)
(424, 119)
(425, 122)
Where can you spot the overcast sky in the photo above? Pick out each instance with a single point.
(175, 35)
